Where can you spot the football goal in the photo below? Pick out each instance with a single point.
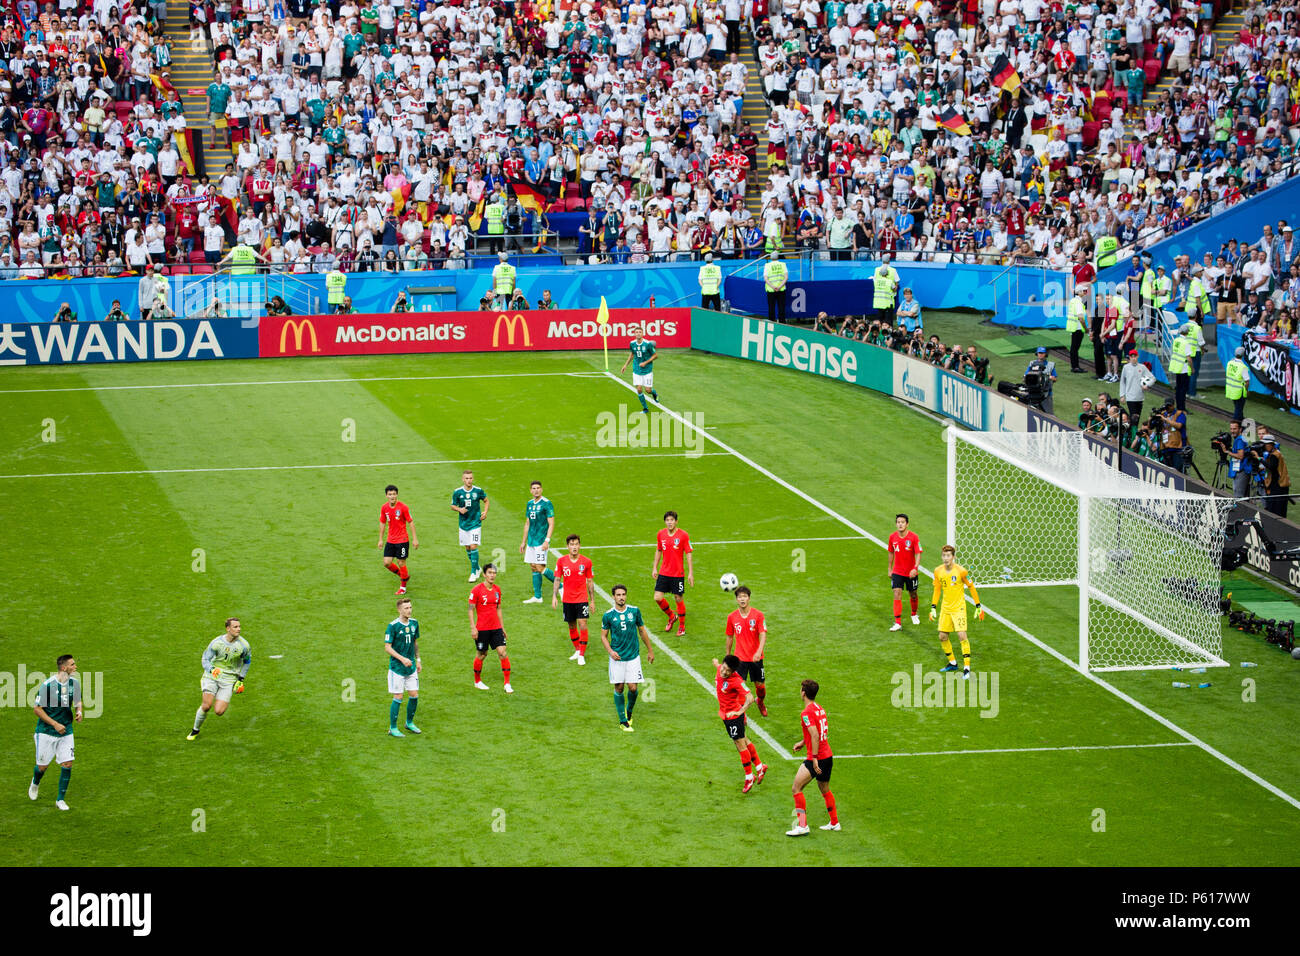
(1040, 508)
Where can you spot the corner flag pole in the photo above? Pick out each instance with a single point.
(602, 321)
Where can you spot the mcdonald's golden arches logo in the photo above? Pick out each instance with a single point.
(300, 329)
(510, 330)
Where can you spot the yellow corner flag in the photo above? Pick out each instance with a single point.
(602, 321)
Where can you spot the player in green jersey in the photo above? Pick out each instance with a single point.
(465, 501)
(58, 704)
(620, 627)
(643, 373)
(225, 665)
(402, 641)
(539, 525)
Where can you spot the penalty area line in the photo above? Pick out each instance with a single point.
(696, 675)
(1166, 722)
(650, 544)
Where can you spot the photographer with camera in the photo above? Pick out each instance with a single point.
(1241, 460)
(1144, 442)
(1277, 480)
(1171, 421)
(1087, 416)
(65, 314)
(1041, 374)
(909, 312)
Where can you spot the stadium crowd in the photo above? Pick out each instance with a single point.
(382, 136)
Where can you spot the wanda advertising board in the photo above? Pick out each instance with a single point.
(420, 332)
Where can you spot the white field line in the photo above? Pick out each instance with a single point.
(1186, 735)
(375, 464)
(650, 545)
(1013, 750)
(699, 678)
(294, 381)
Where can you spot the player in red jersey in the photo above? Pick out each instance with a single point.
(818, 765)
(747, 631)
(485, 627)
(575, 573)
(396, 518)
(673, 544)
(904, 568)
(733, 699)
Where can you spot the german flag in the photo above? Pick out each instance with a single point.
(952, 120)
(476, 217)
(184, 140)
(161, 82)
(529, 197)
(1005, 76)
(1037, 122)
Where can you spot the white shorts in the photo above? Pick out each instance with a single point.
(625, 672)
(51, 749)
(402, 682)
(643, 381)
(221, 689)
(535, 555)
(470, 538)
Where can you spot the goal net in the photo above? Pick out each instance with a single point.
(1032, 509)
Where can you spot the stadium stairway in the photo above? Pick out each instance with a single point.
(191, 72)
(755, 110)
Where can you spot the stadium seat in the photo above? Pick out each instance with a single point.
(1090, 130)
(1101, 108)
(196, 255)
(1152, 70)
(575, 204)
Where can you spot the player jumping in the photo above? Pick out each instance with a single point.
(733, 699)
(395, 518)
(949, 580)
(539, 525)
(672, 543)
(58, 704)
(402, 641)
(225, 665)
(642, 358)
(904, 568)
(485, 627)
(817, 766)
(574, 571)
(620, 627)
(747, 631)
(465, 502)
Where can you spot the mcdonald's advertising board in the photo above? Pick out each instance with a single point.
(419, 332)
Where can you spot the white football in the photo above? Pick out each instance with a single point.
(729, 582)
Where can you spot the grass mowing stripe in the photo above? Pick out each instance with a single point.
(1014, 750)
(699, 678)
(375, 464)
(294, 381)
(1186, 735)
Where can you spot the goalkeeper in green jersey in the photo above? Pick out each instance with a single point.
(225, 665)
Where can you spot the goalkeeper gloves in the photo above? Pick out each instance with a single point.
(933, 614)
(216, 672)
(239, 687)
(979, 612)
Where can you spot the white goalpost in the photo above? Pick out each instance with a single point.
(1039, 508)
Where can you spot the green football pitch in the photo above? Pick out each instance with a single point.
(172, 497)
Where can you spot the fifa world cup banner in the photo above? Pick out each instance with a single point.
(421, 332)
(1275, 366)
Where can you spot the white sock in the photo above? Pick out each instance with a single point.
(199, 718)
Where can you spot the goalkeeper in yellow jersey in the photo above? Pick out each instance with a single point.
(950, 578)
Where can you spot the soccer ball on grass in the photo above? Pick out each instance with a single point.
(729, 582)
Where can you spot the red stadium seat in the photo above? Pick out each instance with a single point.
(1101, 109)
(1090, 134)
(202, 269)
(196, 255)
(1152, 70)
(575, 204)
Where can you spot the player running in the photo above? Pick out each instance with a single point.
(539, 525)
(747, 631)
(949, 580)
(485, 627)
(672, 543)
(465, 501)
(620, 627)
(733, 699)
(402, 641)
(642, 358)
(817, 766)
(904, 568)
(225, 665)
(395, 518)
(574, 571)
(58, 704)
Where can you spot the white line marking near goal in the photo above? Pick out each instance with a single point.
(274, 657)
(1013, 750)
(375, 464)
(699, 678)
(293, 381)
(1186, 735)
(649, 545)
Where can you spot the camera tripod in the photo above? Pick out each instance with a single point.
(1221, 479)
